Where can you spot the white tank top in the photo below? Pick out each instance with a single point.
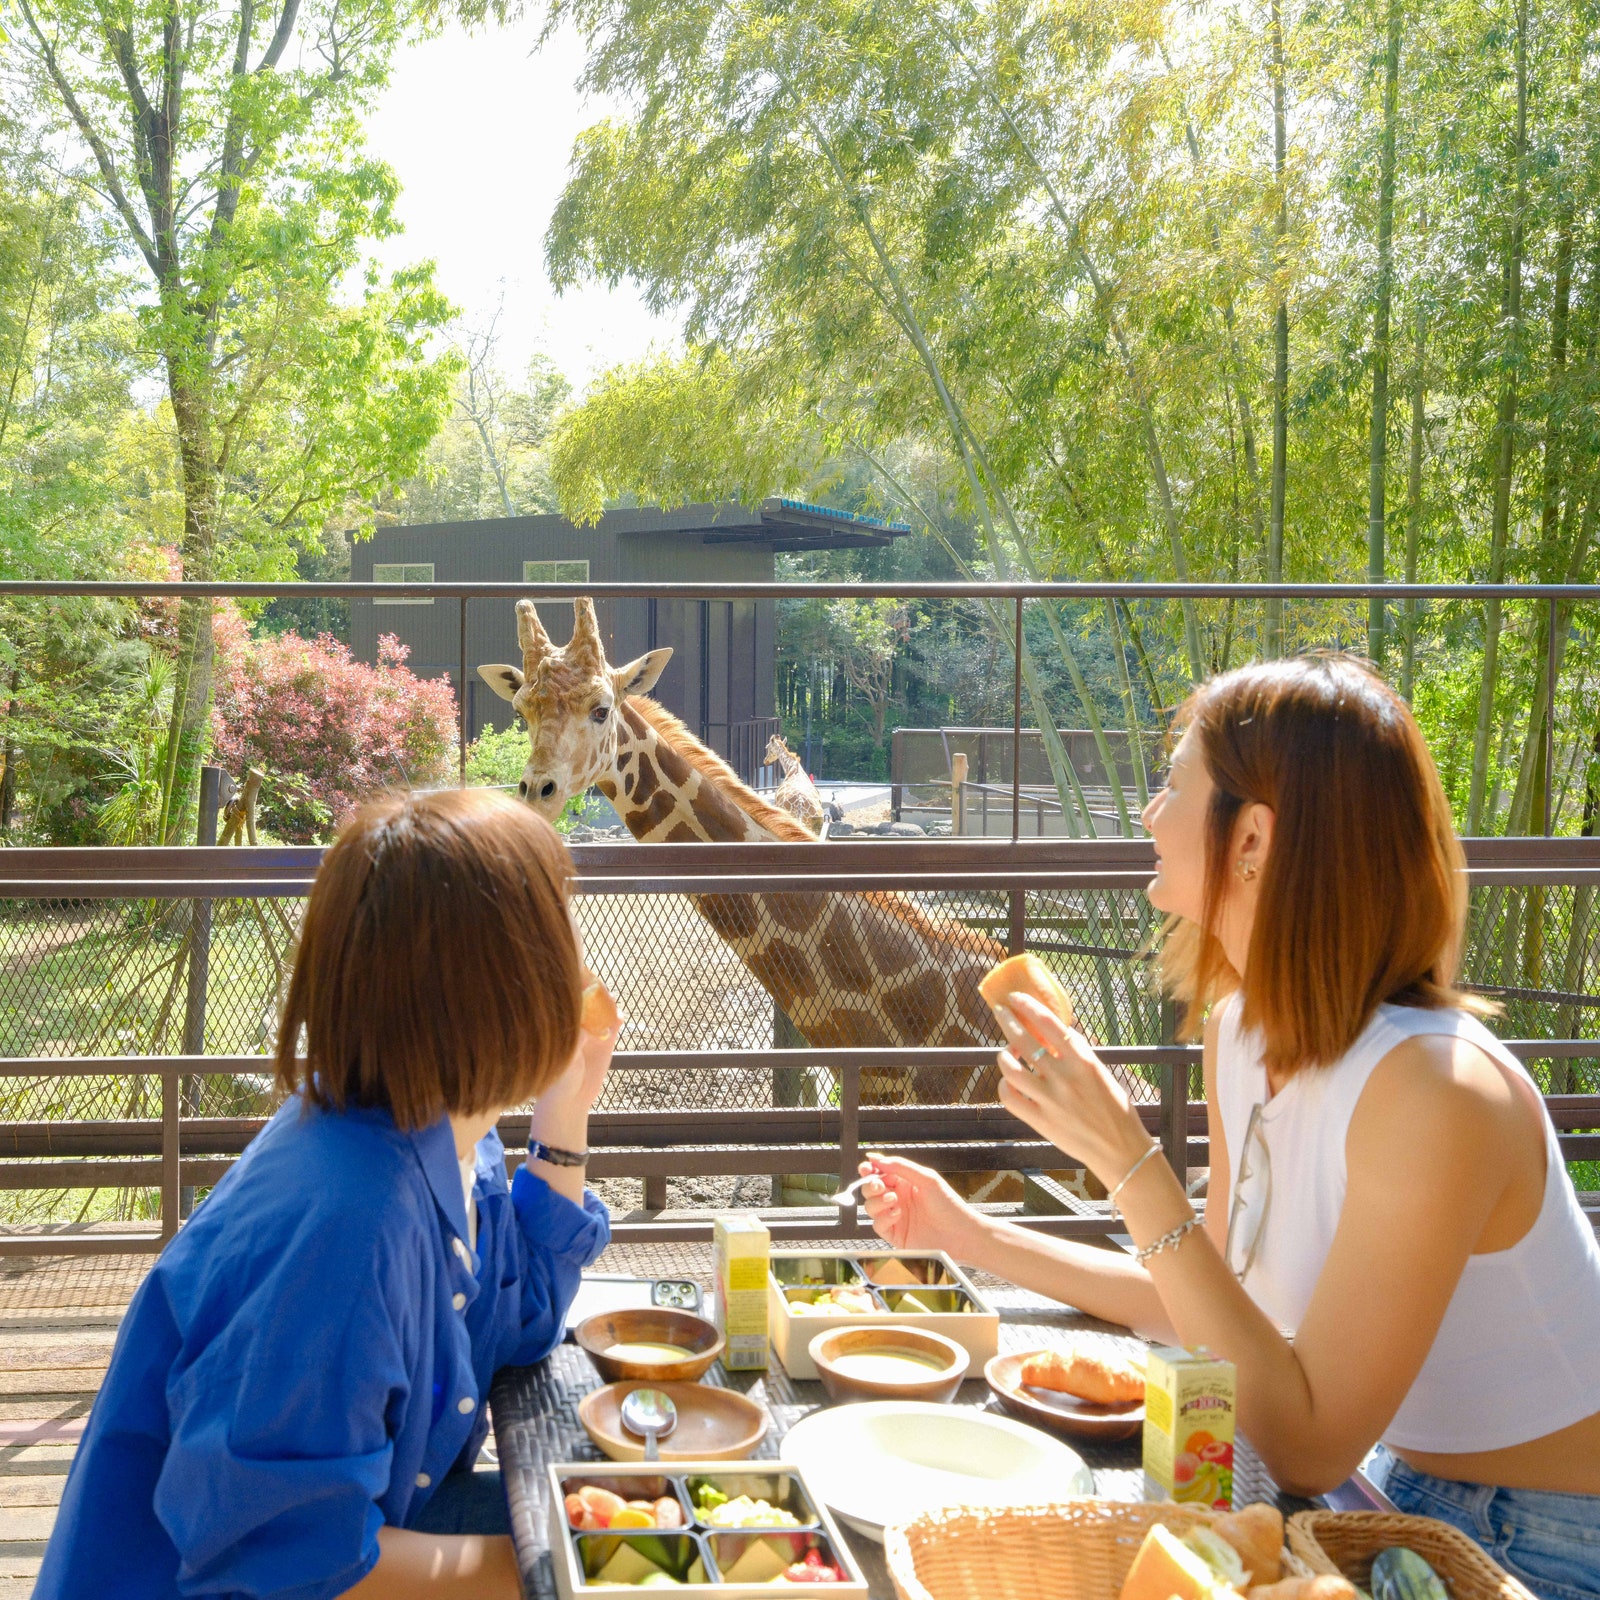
(1518, 1353)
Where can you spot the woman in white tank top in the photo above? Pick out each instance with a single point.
(1392, 1251)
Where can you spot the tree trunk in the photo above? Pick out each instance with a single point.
(1419, 422)
(8, 758)
(1240, 390)
(1280, 338)
(1505, 433)
(1527, 803)
(1527, 799)
(1136, 759)
(189, 729)
(1378, 448)
(1574, 973)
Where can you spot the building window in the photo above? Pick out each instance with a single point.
(555, 571)
(402, 572)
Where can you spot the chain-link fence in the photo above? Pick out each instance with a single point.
(769, 1010)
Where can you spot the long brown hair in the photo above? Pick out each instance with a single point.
(1363, 895)
(437, 968)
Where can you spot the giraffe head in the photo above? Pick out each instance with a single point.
(777, 749)
(568, 697)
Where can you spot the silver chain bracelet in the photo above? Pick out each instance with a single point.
(1167, 1241)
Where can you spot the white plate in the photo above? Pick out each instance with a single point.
(887, 1461)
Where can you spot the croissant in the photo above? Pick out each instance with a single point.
(1102, 1380)
(1256, 1532)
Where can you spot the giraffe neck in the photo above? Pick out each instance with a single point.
(669, 789)
(791, 765)
(847, 969)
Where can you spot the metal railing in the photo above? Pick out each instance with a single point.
(1036, 895)
(1078, 898)
(1551, 596)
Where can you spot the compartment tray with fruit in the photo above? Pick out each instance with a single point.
(729, 1532)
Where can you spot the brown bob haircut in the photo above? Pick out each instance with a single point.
(437, 968)
(1363, 894)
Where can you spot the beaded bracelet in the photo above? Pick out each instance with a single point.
(1127, 1176)
(1167, 1241)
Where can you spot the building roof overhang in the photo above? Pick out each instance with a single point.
(797, 525)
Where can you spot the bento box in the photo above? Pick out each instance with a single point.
(720, 1549)
(885, 1288)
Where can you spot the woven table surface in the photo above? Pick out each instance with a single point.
(535, 1412)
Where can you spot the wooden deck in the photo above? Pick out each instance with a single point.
(58, 1322)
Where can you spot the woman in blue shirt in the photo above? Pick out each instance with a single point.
(297, 1392)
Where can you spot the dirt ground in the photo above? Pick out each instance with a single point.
(680, 988)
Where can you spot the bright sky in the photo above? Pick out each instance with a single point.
(479, 128)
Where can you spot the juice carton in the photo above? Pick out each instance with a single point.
(1189, 1408)
(741, 1245)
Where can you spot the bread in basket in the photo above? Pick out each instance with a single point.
(1077, 1550)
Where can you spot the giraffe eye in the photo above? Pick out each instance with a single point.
(600, 713)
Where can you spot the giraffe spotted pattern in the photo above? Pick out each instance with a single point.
(849, 969)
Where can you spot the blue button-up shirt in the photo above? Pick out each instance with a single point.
(308, 1358)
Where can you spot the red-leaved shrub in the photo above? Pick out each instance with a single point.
(328, 730)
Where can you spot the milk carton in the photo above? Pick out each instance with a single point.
(742, 1244)
(1189, 1408)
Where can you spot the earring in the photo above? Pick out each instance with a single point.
(1246, 870)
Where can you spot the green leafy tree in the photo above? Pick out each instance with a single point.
(490, 459)
(225, 141)
(1150, 289)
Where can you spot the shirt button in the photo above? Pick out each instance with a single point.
(466, 1404)
(462, 1251)
(423, 1480)
(459, 1301)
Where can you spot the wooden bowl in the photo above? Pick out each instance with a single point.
(713, 1424)
(1060, 1413)
(649, 1325)
(941, 1384)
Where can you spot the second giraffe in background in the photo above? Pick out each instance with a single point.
(797, 794)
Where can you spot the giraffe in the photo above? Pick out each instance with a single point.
(855, 969)
(797, 794)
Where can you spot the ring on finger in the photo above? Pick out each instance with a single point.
(1039, 1054)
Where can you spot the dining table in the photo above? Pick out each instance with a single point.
(535, 1414)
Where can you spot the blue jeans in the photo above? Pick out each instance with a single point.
(468, 1501)
(1549, 1541)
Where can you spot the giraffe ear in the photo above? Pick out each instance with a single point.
(504, 680)
(639, 677)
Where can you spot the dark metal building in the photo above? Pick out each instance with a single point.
(720, 680)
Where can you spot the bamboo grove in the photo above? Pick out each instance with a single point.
(1276, 291)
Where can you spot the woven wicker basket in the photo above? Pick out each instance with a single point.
(1078, 1550)
(1345, 1542)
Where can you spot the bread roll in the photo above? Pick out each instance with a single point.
(600, 1014)
(1104, 1380)
(1324, 1586)
(1027, 974)
(1256, 1532)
